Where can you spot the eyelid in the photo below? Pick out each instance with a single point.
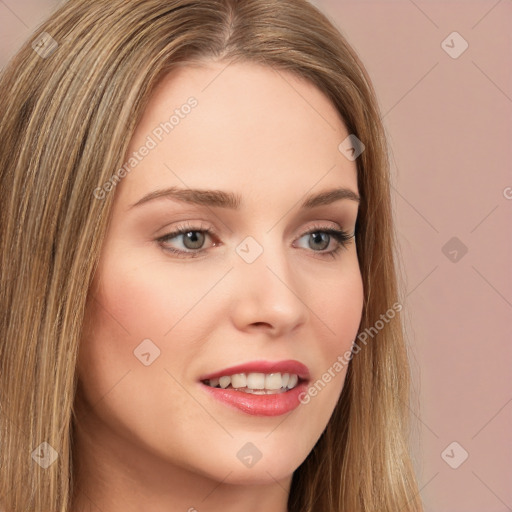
(183, 228)
(341, 236)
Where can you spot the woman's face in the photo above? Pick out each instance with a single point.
(256, 279)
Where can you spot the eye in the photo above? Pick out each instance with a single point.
(193, 239)
(319, 238)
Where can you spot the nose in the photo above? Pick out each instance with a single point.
(267, 294)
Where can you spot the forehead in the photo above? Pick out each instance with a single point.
(252, 128)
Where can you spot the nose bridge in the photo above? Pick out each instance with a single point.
(266, 287)
(264, 259)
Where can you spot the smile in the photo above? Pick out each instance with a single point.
(256, 383)
(260, 388)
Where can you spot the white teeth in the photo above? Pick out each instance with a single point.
(224, 382)
(256, 383)
(273, 381)
(292, 382)
(239, 380)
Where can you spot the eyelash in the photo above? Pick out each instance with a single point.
(342, 237)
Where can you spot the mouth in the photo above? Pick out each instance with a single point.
(260, 388)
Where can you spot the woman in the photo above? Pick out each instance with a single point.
(198, 292)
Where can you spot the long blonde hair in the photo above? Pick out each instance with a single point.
(69, 103)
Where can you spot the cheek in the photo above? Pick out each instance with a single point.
(148, 298)
(338, 307)
(337, 313)
(136, 300)
(131, 304)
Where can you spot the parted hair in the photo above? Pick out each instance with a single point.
(66, 118)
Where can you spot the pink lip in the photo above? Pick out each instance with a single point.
(260, 405)
(288, 366)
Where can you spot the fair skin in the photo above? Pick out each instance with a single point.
(149, 437)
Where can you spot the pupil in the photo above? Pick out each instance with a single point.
(189, 237)
(318, 238)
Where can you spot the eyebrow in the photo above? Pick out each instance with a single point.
(222, 199)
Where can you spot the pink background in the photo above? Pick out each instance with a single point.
(450, 129)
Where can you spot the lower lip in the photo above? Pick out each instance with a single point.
(259, 405)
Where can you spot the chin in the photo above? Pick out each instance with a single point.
(230, 469)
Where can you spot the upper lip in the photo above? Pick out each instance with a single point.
(288, 366)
